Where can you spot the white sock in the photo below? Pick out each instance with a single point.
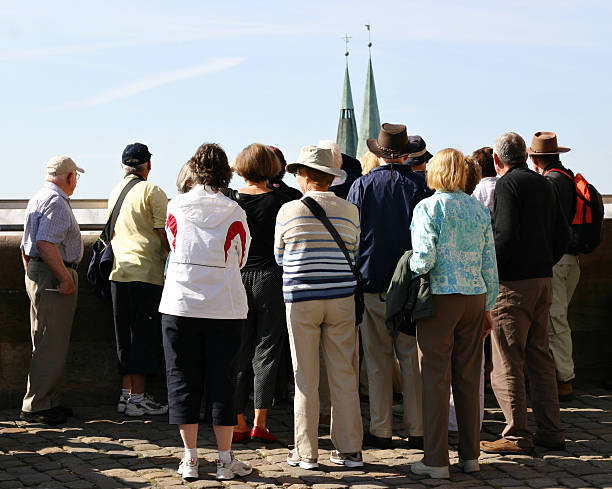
(225, 456)
(191, 453)
(136, 397)
(125, 392)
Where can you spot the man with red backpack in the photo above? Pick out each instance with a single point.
(580, 208)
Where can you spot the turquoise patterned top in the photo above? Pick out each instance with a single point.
(453, 241)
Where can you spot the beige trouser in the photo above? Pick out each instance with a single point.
(331, 324)
(51, 317)
(566, 274)
(519, 344)
(450, 351)
(378, 351)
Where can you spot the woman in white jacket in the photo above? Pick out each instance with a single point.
(203, 308)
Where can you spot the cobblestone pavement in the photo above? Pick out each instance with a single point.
(102, 449)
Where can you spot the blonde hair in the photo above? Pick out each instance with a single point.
(369, 161)
(473, 175)
(257, 163)
(447, 170)
(183, 180)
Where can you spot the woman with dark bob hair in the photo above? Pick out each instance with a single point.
(266, 330)
(203, 308)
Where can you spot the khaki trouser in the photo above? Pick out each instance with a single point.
(378, 351)
(51, 317)
(519, 343)
(331, 324)
(450, 351)
(566, 274)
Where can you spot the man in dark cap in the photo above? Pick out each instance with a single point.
(419, 157)
(140, 247)
(386, 197)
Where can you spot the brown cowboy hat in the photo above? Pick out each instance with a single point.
(545, 143)
(392, 142)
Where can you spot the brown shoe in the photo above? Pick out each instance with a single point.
(566, 392)
(504, 445)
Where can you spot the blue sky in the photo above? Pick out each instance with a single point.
(87, 78)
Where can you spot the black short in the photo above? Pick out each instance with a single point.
(197, 351)
(137, 326)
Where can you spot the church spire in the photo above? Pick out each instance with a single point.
(370, 118)
(347, 127)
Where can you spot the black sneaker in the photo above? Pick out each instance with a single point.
(554, 446)
(371, 440)
(415, 442)
(47, 416)
(63, 410)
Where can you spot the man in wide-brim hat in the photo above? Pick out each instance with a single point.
(386, 197)
(544, 153)
(419, 157)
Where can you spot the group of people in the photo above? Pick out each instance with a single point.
(224, 279)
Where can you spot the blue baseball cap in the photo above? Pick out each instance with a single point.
(135, 154)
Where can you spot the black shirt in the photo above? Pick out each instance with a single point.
(530, 230)
(261, 211)
(566, 193)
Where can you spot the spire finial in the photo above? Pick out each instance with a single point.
(368, 26)
(346, 39)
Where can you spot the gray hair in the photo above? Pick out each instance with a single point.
(132, 170)
(184, 180)
(511, 149)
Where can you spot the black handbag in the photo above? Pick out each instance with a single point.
(320, 214)
(103, 258)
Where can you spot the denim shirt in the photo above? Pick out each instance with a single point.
(453, 241)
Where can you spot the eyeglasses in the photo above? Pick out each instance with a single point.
(78, 175)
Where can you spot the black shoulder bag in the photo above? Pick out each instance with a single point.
(103, 258)
(319, 213)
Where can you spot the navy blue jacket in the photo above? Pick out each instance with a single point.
(352, 167)
(386, 198)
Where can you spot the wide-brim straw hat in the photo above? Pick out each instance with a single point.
(545, 143)
(318, 158)
(392, 142)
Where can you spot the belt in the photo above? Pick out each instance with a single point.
(74, 266)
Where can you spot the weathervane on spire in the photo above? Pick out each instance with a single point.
(346, 39)
(369, 36)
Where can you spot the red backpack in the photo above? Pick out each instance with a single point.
(587, 223)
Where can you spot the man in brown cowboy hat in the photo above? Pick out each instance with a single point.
(544, 152)
(386, 197)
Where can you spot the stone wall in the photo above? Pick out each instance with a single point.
(91, 375)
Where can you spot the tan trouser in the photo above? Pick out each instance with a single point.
(450, 351)
(331, 324)
(378, 351)
(519, 343)
(51, 317)
(566, 274)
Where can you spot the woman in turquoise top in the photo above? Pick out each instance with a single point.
(453, 241)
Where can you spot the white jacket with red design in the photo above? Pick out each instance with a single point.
(209, 243)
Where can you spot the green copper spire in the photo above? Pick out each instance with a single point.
(370, 118)
(347, 127)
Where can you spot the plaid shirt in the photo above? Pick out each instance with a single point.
(49, 218)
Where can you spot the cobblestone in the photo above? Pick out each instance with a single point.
(101, 449)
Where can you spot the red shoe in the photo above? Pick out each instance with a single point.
(240, 436)
(263, 434)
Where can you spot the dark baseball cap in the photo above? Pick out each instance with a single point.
(135, 154)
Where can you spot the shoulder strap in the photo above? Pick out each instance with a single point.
(319, 213)
(109, 228)
(559, 171)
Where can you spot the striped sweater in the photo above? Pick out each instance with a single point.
(314, 267)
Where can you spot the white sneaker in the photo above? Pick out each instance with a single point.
(469, 466)
(420, 468)
(346, 459)
(294, 460)
(122, 403)
(226, 471)
(146, 406)
(188, 468)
